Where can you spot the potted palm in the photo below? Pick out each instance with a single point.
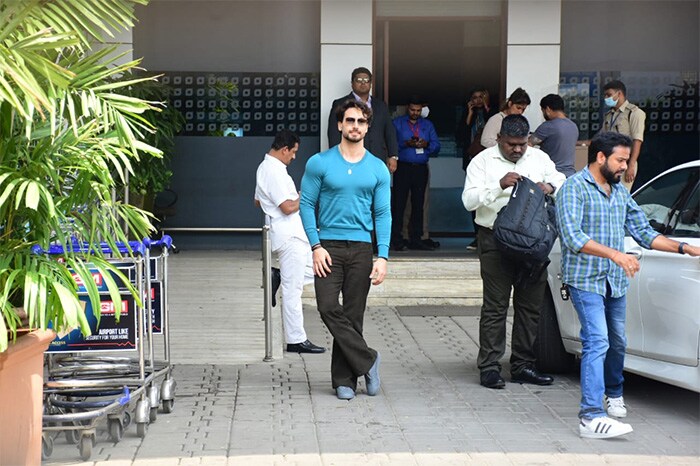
(68, 137)
(151, 175)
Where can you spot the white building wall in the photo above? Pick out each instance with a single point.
(533, 51)
(346, 43)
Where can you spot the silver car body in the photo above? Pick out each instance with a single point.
(663, 300)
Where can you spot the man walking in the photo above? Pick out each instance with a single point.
(341, 190)
(418, 141)
(380, 140)
(557, 136)
(625, 118)
(593, 212)
(278, 197)
(491, 176)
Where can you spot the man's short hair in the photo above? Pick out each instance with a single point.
(515, 126)
(352, 103)
(416, 100)
(616, 86)
(606, 143)
(360, 70)
(285, 138)
(553, 102)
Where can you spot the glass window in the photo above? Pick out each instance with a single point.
(669, 197)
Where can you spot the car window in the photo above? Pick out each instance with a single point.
(670, 197)
(688, 224)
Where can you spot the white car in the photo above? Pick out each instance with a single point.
(663, 300)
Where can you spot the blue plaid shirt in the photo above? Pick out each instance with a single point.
(585, 212)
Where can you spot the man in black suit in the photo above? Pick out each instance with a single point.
(381, 136)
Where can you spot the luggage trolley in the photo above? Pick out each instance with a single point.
(83, 389)
(156, 282)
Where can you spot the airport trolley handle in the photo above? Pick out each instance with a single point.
(166, 242)
(56, 249)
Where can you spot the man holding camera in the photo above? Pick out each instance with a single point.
(417, 142)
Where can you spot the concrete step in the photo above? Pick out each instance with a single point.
(424, 281)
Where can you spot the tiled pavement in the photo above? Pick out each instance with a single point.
(430, 410)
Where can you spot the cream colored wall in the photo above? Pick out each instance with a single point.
(533, 50)
(346, 43)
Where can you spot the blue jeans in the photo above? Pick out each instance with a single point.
(603, 337)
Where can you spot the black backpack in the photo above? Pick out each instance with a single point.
(526, 228)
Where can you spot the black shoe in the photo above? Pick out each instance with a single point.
(304, 347)
(529, 374)
(396, 246)
(276, 282)
(492, 379)
(420, 246)
(431, 243)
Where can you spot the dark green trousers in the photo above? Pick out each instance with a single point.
(499, 278)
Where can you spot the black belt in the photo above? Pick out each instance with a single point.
(411, 164)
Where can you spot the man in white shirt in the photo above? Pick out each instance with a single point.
(278, 197)
(491, 176)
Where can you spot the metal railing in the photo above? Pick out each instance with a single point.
(266, 271)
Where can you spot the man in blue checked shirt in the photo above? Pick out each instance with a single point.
(418, 141)
(593, 211)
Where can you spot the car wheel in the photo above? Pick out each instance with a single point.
(549, 350)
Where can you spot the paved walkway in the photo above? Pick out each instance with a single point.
(232, 408)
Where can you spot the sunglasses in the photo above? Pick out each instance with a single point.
(362, 80)
(360, 121)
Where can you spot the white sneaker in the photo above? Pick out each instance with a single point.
(602, 427)
(616, 406)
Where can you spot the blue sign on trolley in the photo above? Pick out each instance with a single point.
(111, 335)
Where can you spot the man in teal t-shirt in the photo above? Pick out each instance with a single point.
(341, 190)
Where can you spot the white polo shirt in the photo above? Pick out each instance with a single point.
(274, 186)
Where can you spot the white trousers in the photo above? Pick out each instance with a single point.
(296, 270)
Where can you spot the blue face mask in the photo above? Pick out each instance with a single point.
(610, 102)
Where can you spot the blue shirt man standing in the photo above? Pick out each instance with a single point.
(593, 212)
(341, 190)
(418, 141)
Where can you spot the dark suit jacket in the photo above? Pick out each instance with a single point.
(381, 136)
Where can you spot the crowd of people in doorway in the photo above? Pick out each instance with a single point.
(326, 231)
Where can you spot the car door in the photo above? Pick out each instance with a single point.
(667, 286)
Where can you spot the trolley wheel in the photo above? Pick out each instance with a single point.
(153, 414)
(168, 406)
(86, 444)
(72, 436)
(141, 429)
(46, 446)
(116, 430)
(126, 420)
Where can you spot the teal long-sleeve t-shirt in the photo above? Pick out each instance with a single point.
(338, 199)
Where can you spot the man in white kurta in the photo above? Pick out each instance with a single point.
(278, 197)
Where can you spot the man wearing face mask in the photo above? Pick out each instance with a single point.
(491, 176)
(624, 118)
(418, 141)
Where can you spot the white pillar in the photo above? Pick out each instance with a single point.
(346, 43)
(534, 43)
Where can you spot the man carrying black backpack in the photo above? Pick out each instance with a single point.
(491, 176)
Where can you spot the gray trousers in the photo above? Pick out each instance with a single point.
(498, 275)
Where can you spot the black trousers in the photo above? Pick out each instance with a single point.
(408, 178)
(499, 277)
(352, 264)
